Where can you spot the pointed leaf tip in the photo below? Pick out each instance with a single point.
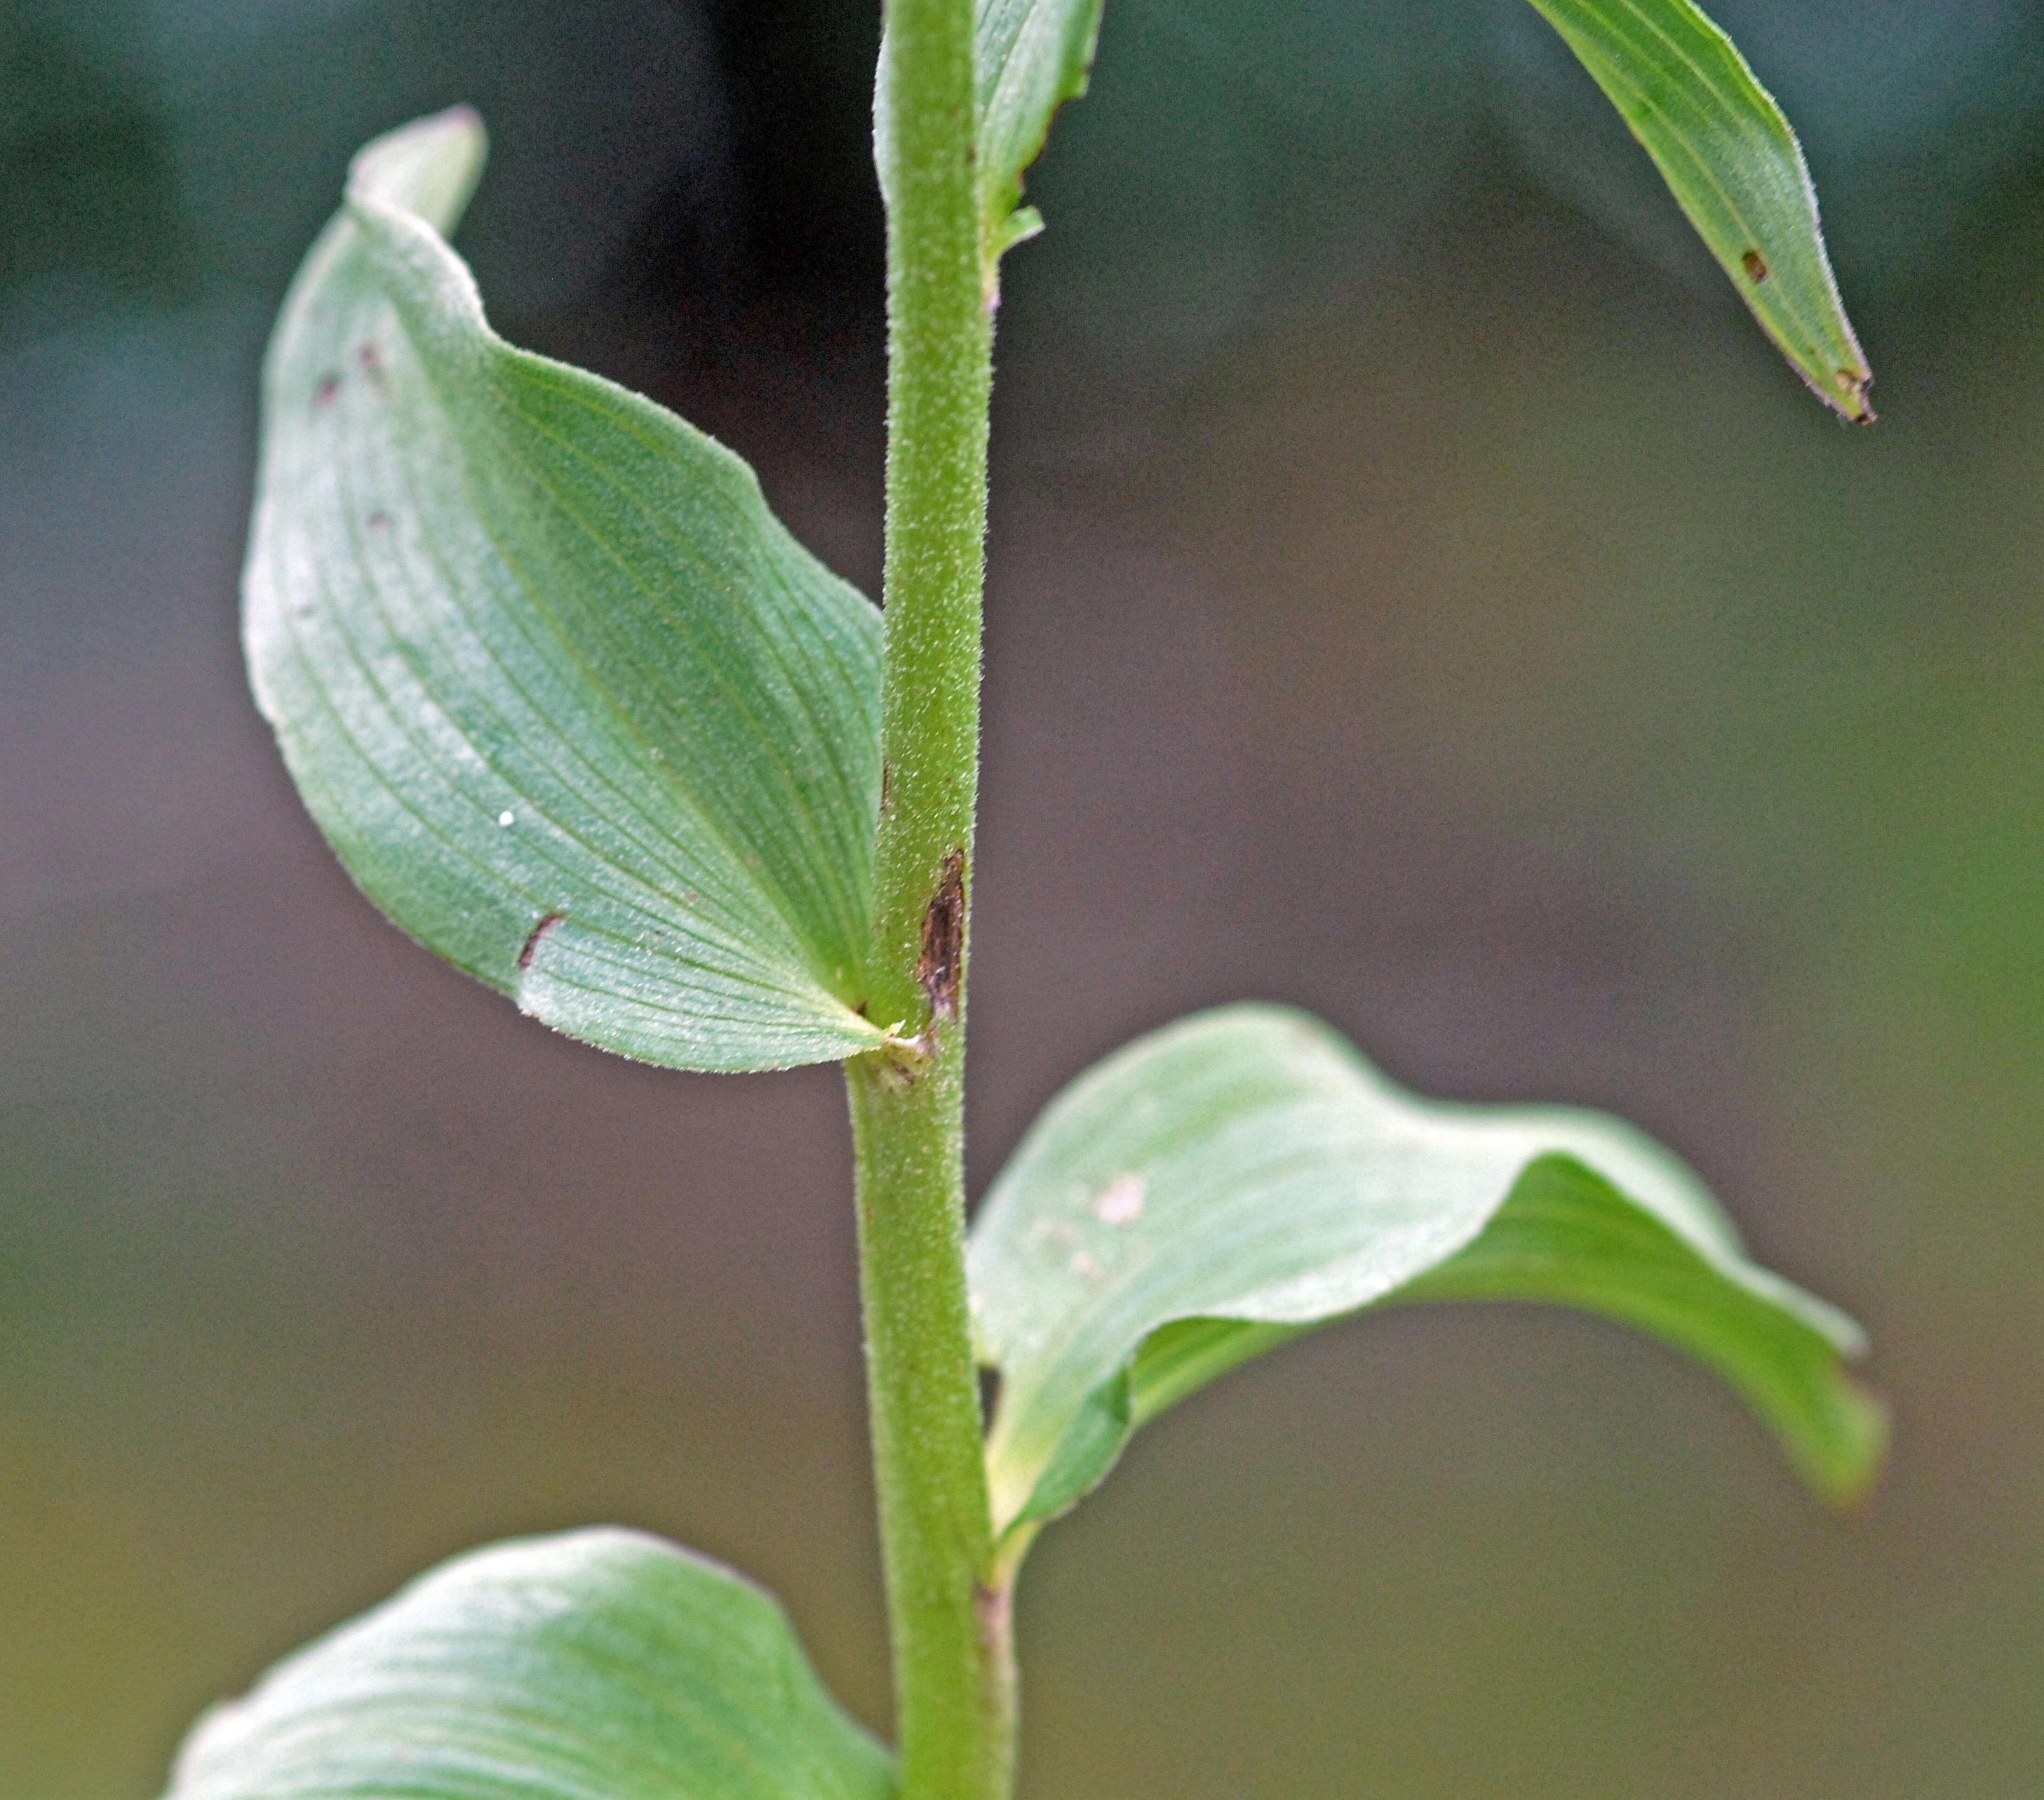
(1729, 157)
(428, 168)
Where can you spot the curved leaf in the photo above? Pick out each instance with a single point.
(595, 1665)
(572, 706)
(1029, 58)
(1731, 161)
(1223, 1184)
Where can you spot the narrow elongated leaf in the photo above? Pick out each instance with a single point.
(1222, 1185)
(572, 706)
(1029, 58)
(1731, 161)
(596, 1665)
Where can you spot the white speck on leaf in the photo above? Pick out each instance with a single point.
(507, 817)
(1120, 1202)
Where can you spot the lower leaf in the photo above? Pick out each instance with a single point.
(595, 1665)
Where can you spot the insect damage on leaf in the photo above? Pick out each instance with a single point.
(1755, 266)
(534, 939)
(943, 957)
(593, 606)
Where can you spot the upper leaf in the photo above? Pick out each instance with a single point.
(597, 1665)
(570, 704)
(1029, 58)
(1728, 155)
(1223, 1184)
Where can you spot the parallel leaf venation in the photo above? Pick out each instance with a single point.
(1733, 165)
(594, 1665)
(1213, 1189)
(574, 708)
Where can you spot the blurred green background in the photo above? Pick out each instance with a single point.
(1416, 592)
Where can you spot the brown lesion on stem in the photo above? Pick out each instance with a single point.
(993, 1603)
(993, 1609)
(939, 972)
(941, 966)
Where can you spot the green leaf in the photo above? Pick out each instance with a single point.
(572, 706)
(1029, 58)
(1222, 1185)
(1728, 155)
(596, 1665)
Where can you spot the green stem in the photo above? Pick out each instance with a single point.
(954, 1675)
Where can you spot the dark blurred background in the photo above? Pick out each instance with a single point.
(1417, 592)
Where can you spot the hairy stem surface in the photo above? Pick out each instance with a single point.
(953, 1673)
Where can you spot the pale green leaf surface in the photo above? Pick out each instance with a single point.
(1029, 58)
(1733, 164)
(571, 705)
(1221, 1185)
(596, 1665)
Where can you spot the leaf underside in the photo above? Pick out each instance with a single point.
(595, 1665)
(1733, 164)
(1029, 58)
(1221, 1186)
(571, 705)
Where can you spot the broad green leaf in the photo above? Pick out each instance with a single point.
(596, 1665)
(1734, 166)
(1029, 58)
(572, 706)
(1222, 1185)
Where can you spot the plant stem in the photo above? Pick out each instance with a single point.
(953, 1675)
(954, 1679)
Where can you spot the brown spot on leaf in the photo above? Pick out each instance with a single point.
(1755, 266)
(378, 520)
(942, 960)
(329, 385)
(534, 939)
